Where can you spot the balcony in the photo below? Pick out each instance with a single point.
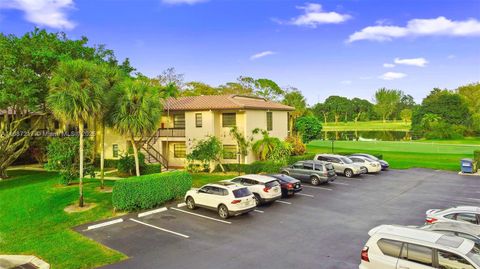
(171, 132)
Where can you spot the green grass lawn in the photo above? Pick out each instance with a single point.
(367, 126)
(33, 222)
(444, 155)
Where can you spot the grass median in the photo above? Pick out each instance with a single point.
(33, 220)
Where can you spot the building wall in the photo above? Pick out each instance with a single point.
(246, 122)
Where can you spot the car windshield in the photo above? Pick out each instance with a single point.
(271, 184)
(346, 160)
(242, 192)
(474, 254)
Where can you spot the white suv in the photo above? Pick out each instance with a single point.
(400, 247)
(227, 199)
(264, 188)
(464, 214)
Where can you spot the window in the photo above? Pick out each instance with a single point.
(318, 167)
(308, 166)
(298, 165)
(467, 217)
(115, 150)
(450, 216)
(418, 254)
(269, 121)
(179, 151)
(229, 152)
(198, 120)
(206, 189)
(179, 121)
(390, 247)
(243, 192)
(229, 119)
(447, 260)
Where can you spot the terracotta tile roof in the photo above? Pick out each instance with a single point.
(222, 102)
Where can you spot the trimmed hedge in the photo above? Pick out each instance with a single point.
(109, 163)
(149, 191)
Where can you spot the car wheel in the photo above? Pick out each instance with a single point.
(348, 173)
(366, 169)
(223, 212)
(256, 197)
(190, 203)
(314, 180)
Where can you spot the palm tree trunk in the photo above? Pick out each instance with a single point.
(102, 156)
(80, 183)
(135, 154)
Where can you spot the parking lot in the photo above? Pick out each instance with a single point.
(323, 227)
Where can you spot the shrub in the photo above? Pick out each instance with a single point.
(109, 163)
(126, 163)
(309, 127)
(149, 191)
(63, 157)
(297, 146)
(206, 151)
(476, 157)
(443, 130)
(294, 159)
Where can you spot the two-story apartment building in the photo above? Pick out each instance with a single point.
(189, 119)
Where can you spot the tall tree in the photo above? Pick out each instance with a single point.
(75, 95)
(320, 110)
(471, 95)
(26, 66)
(361, 107)
(170, 76)
(262, 87)
(113, 75)
(196, 88)
(136, 111)
(294, 98)
(386, 101)
(338, 106)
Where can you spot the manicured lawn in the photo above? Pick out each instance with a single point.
(32, 220)
(367, 126)
(200, 179)
(401, 155)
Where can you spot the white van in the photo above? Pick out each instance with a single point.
(399, 247)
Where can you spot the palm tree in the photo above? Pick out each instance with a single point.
(113, 77)
(265, 146)
(243, 143)
(75, 95)
(136, 111)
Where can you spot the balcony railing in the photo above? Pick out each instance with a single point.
(171, 132)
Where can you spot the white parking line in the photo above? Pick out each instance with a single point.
(474, 199)
(283, 202)
(321, 188)
(303, 194)
(201, 216)
(143, 214)
(103, 224)
(181, 205)
(161, 229)
(259, 211)
(339, 183)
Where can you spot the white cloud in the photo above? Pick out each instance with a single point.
(314, 15)
(421, 62)
(179, 2)
(50, 13)
(392, 76)
(440, 26)
(451, 56)
(261, 54)
(387, 65)
(346, 82)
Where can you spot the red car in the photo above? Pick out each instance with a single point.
(288, 184)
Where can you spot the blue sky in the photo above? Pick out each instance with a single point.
(328, 47)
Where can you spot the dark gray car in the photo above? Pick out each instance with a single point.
(311, 171)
